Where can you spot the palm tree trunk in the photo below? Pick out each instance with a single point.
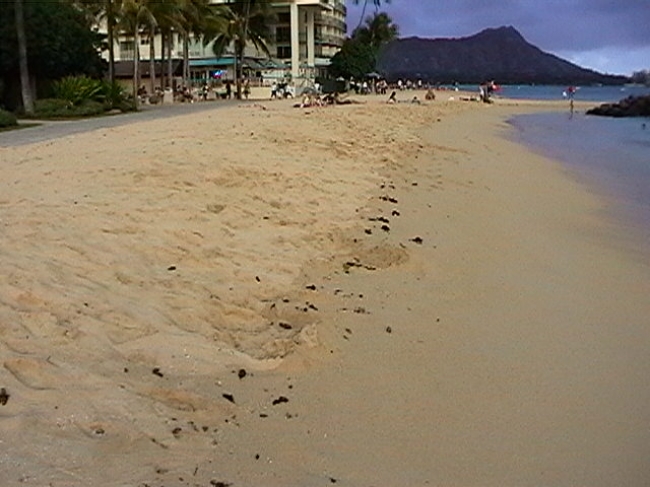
(170, 64)
(363, 13)
(239, 62)
(186, 59)
(136, 65)
(163, 40)
(26, 90)
(110, 24)
(152, 61)
(241, 51)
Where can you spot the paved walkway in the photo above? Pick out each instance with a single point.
(47, 130)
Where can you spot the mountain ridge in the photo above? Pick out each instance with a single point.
(501, 54)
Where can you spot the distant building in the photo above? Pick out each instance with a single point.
(306, 36)
(309, 33)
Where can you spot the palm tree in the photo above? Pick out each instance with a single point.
(107, 10)
(379, 30)
(243, 22)
(26, 89)
(376, 3)
(190, 21)
(168, 23)
(135, 13)
(163, 15)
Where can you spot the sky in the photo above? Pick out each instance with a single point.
(609, 36)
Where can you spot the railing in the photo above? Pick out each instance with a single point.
(328, 39)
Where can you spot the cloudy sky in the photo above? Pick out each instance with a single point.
(611, 36)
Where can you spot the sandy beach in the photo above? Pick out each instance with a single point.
(360, 295)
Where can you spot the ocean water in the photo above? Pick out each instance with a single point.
(584, 93)
(599, 94)
(611, 156)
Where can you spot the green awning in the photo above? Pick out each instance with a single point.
(216, 61)
(220, 62)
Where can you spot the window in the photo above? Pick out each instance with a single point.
(282, 35)
(127, 50)
(284, 18)
(284, 52)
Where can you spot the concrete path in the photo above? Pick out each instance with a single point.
(47, 130)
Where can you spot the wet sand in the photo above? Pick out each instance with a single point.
(354, 295)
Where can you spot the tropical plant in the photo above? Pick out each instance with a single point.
(77, 89)
(112, 93)
(242, 22)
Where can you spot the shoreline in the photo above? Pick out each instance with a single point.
(610, 167)
(506, 347)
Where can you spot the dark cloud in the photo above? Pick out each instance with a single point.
(617, 27)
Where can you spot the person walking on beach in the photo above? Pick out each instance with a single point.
(247, 88)
(570, 93)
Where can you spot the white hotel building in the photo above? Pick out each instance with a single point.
(307, 34)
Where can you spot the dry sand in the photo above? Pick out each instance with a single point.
(212, 300)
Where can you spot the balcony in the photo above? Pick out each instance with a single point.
(328, 40)
(302, 3)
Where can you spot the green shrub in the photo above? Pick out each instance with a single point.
(113, 94)
(127, 103)
(88, 108)
(51, 108)
(55, 108)
(7, 119)
(77, 89)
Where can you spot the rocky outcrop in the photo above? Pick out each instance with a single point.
(500, 54)
(632, 106)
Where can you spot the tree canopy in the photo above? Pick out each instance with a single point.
(239, 24)
(358, 55)
(378, 30)
(376, 3)
(59, 39)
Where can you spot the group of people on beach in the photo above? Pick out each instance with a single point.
(486, 90)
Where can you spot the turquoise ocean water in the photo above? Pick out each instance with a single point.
(583, 93)
(612, 156)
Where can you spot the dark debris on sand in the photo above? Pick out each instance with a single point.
(280, 400)
(219, 483)
(4, 396)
